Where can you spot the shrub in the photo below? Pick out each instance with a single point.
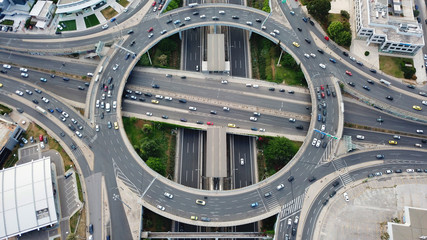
(366, 53)
(345, 14)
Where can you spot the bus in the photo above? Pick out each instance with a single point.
(385, 82)
(41, 110)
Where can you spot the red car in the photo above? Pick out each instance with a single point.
(348, 73)
(150, 29)
(154, 4)
(209, 123)
(326, 38)
(323, 95)
(41, 138)
(160, 7)
(105, 88)
(321, 87)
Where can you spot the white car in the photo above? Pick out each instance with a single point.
(257, 114)
(420, 131)
(150, 35)
(159, 96)
(313, 55)
(263, 27)
(280, 187)
(314, 141)
(202, 16)
(109, 93)
(103, 96)
(418, 145)
(262, 129)
(292, 120)
(346, 197)
(187, 19)
(42, 145)
(102, 105)
(253, 119)
(322, 128)
(296, 220)
(79, 134)
(227, 109)
(149, 114)
(388, 171)
(168, 195)
(19, 93)
(273, 34)
(114, 104)
(306, 55)
(115, 67)
(242, 161)
(7, 66)
(409, 170)
(105, 26)
(97, 127)
(322, 65)
(276, 31)
(25, 75)
(29, 92)
(161, 207)
(318, 143)
(289, 221)
(62, 118)
(45, 100)
(168, 98)
(192, 108)
(361, 137)
(97, 104)
(255, 86)
(424, 102)
(65, 114)
(352, 58)
(224, 81)
(23, 70)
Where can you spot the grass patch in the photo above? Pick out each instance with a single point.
(174, 4)
(392, 65)
(7, 22)
(70, 25)
(11, 160)
(265, 56)
(124, 3)
(169, 48)
(80, 218)
(154, 142)
(109, 12)
(4, 109)
(91, 20)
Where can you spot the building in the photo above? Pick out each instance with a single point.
(27, 198)
(10, 134)
(42, 13)
(389, 24)
(78, 6)
(413, 228)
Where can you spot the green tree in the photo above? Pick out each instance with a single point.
(408, 72)
(334, 29)
(279, 151)
(157, 164)
(319, 9)
(345, 14)
(266, 6)
(344, 38)
(151, 147)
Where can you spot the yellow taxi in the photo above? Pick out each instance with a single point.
(1, 85)
(295, 44)
(418, 108)
(116, 126)
(392, 142)
(195, 218)
(232, 125)
(154, 101)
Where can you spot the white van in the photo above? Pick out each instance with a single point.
(97, 78)
(107, 107)
(100, 70)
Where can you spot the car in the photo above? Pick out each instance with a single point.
(322, 65)
(377, 174)
(418, 108)
(73, 121)
(161, 207)
(351, 84)
(370, 81)
(304, 19)
(224, 81)
(424, 102)
(195, 13)
(379, 156)
(163, 32)
(273, 34)
(25, 75)
(295, 44)
(292, 13)
(280, 187)
(200, 202)
(291, 91)
(267, 195)
(203, 16)
(314, 141)
(291, 178)
(359, 63)
(102, 115)
(168, 195)
(312, 179)
(35, 101)
(116, 125)
(232, 125)
(392, 142)
(199, 122)
(332, 60)
(195, 218)
(149, 114)
(155, 86)
(418, 145)
(410, 86)
(326, 38)
(213, 112)
(389, 98)
(65, 114)
(19, 93)
(396, 136)
(307, 40)
(299, 29)
(79, 134)
(130, 31)
(345, 195)
(366, 88)
(336, 183)
(154, 101)
(253, 119)
(97, 127)
(159, 96)
(150, 35)
(254, 129)
(422, 94)
(299, 127)
(348, 73)
(20, 110)
(420, 131)
(29, 92)
(165, 116)
(7, 66)
(320, 51)
(318, 143)
(242, 161)
(3, 71)
(205, 219)
(271, 89)
(292, 120)
(105, 26)
(289, 221)
(257, 114)
(192, 108)
(45, 100)
(254, 205)
(109, 125)
(65, 79)
(410, 170)
(115, 67)
(113, 19)
(210, 123)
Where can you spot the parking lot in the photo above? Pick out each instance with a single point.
(371, 204)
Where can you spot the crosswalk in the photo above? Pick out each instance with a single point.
(339, 164)
(346, 178)
(291, 207)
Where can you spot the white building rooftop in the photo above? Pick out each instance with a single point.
(26, 198)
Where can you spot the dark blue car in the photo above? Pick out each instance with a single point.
(332, 60)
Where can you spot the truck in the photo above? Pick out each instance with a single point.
(41, 110)
(385, 82)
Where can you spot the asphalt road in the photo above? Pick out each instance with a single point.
(189, 160)
(243, 174)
